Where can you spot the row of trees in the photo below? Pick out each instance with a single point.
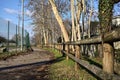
(45, 22)
(70, 19)
(45, 25)
(74, 19)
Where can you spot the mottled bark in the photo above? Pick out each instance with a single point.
(59, 19)
(73, 19)
(89, 19)
(78, 13)
(83, 15)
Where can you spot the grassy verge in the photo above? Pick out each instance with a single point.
(63, 69)
(56, 53)
(94, 61)
(6, 55)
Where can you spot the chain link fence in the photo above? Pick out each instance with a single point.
(11, 38)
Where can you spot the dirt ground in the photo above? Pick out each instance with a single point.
(32, 66)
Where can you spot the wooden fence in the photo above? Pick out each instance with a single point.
(109, 37)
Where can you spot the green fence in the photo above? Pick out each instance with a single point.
(11, 38)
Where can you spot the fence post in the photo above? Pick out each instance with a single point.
(57, 47)
(60, 48)
(77, 55)
(99, 50)
(108, 58)
(63, 49)
(67, 51)
(54, 46)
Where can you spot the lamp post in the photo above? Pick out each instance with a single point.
(22, 36)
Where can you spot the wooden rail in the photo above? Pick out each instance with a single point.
(92, 68)
(107, 38)
(112, 36)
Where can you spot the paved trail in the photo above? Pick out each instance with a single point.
(32, 66)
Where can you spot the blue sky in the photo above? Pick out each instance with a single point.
(9, 10)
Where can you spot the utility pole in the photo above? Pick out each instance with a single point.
(19, 20)
(18, 30)
(8, 36)
(22, 37)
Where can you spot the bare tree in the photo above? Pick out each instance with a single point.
(74, 38)
(42, 17)
(59, 19)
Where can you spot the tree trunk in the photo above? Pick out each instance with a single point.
(78, 13)
(105, 17)
(44, 35)
(73, 17)
(83, 15)
(59, 19)
(89, 21)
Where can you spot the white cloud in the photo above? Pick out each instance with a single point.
(7, 19)
(11, 11)
(28, 13)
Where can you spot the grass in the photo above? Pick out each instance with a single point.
(64, 69)
(94, 61)
(6, 55)
(56, 53)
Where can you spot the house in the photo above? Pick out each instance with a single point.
(116, 24)
(95, 28)
(116, 20)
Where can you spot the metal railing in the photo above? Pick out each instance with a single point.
(10, 37)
